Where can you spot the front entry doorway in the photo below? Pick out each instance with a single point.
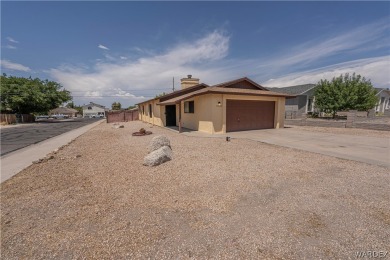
(170, 115)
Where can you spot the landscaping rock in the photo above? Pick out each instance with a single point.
(158, 156)
(116, 126)
(158, 142)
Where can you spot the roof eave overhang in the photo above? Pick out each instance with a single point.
(221, 92)
(252, 94)
(303, 93)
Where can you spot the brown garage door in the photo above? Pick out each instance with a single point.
(249, 115)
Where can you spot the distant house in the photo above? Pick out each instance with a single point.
(383, 105)
(70, 112)
(302, 103)
(94, 110)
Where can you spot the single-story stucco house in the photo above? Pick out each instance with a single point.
(94, 110)
(302, 104)
(237, 105)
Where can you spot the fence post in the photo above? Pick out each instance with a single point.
(371, 113)
(350, 119)
(303, 120)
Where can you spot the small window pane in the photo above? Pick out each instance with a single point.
(189, 107)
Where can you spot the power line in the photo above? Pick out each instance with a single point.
(126, 89)
(121, 96)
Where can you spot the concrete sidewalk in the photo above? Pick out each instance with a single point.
(18, 160)
(372, 150)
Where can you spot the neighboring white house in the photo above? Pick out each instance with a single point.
(383, 103)
(94, 110)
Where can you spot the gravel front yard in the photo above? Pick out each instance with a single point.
(215, 199)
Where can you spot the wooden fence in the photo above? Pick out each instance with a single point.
(122, 116)
(13, 118)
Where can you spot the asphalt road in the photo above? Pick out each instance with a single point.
(15, 138)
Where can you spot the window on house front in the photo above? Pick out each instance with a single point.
(89, 108)
(189, 107)
(143, 110)
(150, 110)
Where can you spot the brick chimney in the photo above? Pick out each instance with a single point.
(188, 82)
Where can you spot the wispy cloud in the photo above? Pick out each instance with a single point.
(6, 64)
(12, 40)
(376, 69)
(11, 44)
(360, 39)
(207, 58)
(110, 78)
(102, 47)
(10, 47)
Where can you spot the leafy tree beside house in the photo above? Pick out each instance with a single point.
(26, 95)
(160, 95)
(116, 106)
(78, 108)
(346, 92)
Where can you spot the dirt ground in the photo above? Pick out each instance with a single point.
(215, 199)
(347, 131)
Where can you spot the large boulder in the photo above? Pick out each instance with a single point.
(159, 156)
(158, 142)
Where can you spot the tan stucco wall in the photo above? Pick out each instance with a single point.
(209, 117)
(201, 120)
(157, 111)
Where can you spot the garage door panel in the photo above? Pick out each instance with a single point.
(249, 115)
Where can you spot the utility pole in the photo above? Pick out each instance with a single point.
(173, 84)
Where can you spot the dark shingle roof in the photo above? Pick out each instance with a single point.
(228, 83)
(93, 104)
(63, 110)
(294, 90)
(221, 90)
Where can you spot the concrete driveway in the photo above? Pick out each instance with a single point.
(372, 150)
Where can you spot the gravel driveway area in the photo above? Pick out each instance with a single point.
(216, 199)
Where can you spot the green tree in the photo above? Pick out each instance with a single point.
(116, 106)
(344, 93)
(70, 105)
(78, 108)
(27, 95)
(131, 107)
(160, 95)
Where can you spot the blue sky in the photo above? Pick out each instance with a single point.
(129, 51)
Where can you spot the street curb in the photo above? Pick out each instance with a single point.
(15, 162)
